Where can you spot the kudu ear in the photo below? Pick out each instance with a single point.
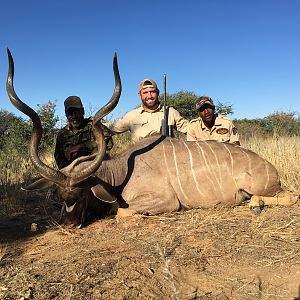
(101, 193)
(39, 184)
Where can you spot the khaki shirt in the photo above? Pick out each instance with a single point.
(142, 123)
(222, 131)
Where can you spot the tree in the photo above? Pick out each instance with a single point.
(276, 124)
(6, 118)
(224, 109)
(249, 129)
(16, 131)
(49, 120)
(184, 102)
(283, 123)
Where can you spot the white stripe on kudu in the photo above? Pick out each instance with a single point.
(208, 167)
(231, 162)
(219, 182)
(267, 175)
(250, 168)
(193, 170)
(177, 171)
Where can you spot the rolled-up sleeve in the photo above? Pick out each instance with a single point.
(191, 135)
(121, 125)
(180, 122)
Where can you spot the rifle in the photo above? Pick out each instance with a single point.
(164, 121)
(167, 130)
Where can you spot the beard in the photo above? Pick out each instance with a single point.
(150, 104)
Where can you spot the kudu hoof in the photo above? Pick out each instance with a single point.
(257, 209)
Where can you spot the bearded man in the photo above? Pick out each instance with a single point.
(146, 120)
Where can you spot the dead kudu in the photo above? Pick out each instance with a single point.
(74, 189)
(158, 174)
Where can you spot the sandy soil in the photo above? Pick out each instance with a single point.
(220, 253)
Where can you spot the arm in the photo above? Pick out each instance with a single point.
(120, 125)
(180, 123)
(191, 136)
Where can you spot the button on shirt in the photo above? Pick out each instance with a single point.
(142, 123)
(222, 131)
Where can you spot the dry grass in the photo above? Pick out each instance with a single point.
(121, 142)
(207, 254)
(16, 172)
(283, 153)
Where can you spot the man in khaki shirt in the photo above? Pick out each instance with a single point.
(146, 120)
(210, 126)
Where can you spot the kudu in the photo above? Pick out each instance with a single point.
(158, 174)
(74, 185)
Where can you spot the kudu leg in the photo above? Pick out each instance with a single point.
(283, 198)
(125, 212)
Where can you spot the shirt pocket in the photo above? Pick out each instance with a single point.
(223, 134)
(139, 123)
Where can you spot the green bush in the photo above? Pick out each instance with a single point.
(184, 102)
(16, 131)
(274, 125)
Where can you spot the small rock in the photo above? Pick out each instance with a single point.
(33, 227)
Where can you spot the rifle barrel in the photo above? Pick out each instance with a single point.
(165, 120)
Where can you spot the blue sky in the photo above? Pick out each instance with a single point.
(244, 53)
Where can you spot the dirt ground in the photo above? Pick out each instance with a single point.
(220, 253)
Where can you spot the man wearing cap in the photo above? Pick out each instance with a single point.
(76, 138)
(146, 120)
(210, 126)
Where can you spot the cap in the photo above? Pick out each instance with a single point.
(204, 100)
(73, 101)
(146, 83)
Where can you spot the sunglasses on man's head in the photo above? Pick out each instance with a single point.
(205, 106)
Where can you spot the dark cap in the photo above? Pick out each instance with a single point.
(73, 101)
(204, 100)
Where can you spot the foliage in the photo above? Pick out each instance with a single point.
(5, 119)
(16, 131)
(49, 121)
(184, 102)
(276, 124)
(250, 128)
(224, 109)
(283, 124)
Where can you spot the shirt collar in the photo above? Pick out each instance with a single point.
(217, 122)
(159, 108)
